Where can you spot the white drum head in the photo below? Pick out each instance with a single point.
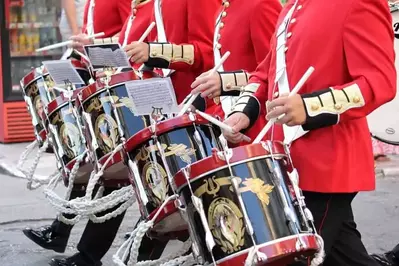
(384, 121)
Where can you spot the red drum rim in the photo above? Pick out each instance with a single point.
(118, 158)
(60, 101)
(38, 72)
(162, 127)
(214, 162)
(166, 211)
(98, 86)
(276, 250)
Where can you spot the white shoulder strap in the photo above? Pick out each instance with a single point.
(295, 132)
(90, 18)
(161, 35)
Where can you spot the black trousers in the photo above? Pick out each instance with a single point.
(334, 220)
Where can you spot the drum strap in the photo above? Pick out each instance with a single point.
(227, 102)
(128, 27)
(161, 35)
(295, 132)
(90, 18)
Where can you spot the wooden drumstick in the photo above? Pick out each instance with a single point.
(66, 43)
(193, 97)
(147, 31)
(294, 91)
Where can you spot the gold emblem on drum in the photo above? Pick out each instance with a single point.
(119, 102)
(95, 104)
(226, 224)
(71, 140)
(258, 187)
(180, 150)
(106, 131)
(156, 178)
(32, 89)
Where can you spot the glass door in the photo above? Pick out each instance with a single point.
(32, 24)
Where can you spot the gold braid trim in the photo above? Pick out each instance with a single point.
(173, 53)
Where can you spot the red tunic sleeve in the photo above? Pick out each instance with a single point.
(262, 28)
(196, 53)
(370, 60)
(254, 96)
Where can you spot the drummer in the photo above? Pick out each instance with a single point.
(334, 158)
(256, 20)
(183, 45)
(97, 238)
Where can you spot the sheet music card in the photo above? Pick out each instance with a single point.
(150, 94)
(62, 71)
(106, 55)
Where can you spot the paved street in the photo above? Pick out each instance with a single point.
(377, 213)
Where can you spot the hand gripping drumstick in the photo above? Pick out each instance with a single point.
(66, 43)
(193, 97)
(297, 87)
(220, 124)
(142, 38)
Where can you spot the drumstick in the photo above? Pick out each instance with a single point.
(142, 38)
(66, 43)
(220, 124)
(193, 97)
(148, 30)
(294, 91)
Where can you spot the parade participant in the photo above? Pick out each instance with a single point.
(71, 20)
(97, 237)
(184, 41)
(354, 74)
(253, 23)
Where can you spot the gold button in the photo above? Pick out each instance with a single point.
(285, 49)
(221, 25)
(190, 61)
(226, 4)
(299, 7)
(293, 20)
(356, 99)
(314, 107)
(289, 34)
(224, 14)
(228, 86)
(218, 46)
(154, 54)
(275, 95)
(338, 106)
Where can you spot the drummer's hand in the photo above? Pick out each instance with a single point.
(208, 86)
(238, 121)
(79, 41)
(292, 107)
(138, 52)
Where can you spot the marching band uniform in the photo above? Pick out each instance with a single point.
(97, 237)
(253, 23)
(350, 47)
(185, 42)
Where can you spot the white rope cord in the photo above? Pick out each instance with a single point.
(25, 154)
(33, 167)
(135, 239)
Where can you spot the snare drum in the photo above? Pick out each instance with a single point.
(160, 151)
(266, 199)
(38, 92)
(65, 128)
(384, 122)
(104, 125)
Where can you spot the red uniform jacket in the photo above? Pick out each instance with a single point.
(350, 45)
(189, 26)
(245, 30)
(142, 19)
(109, 16)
